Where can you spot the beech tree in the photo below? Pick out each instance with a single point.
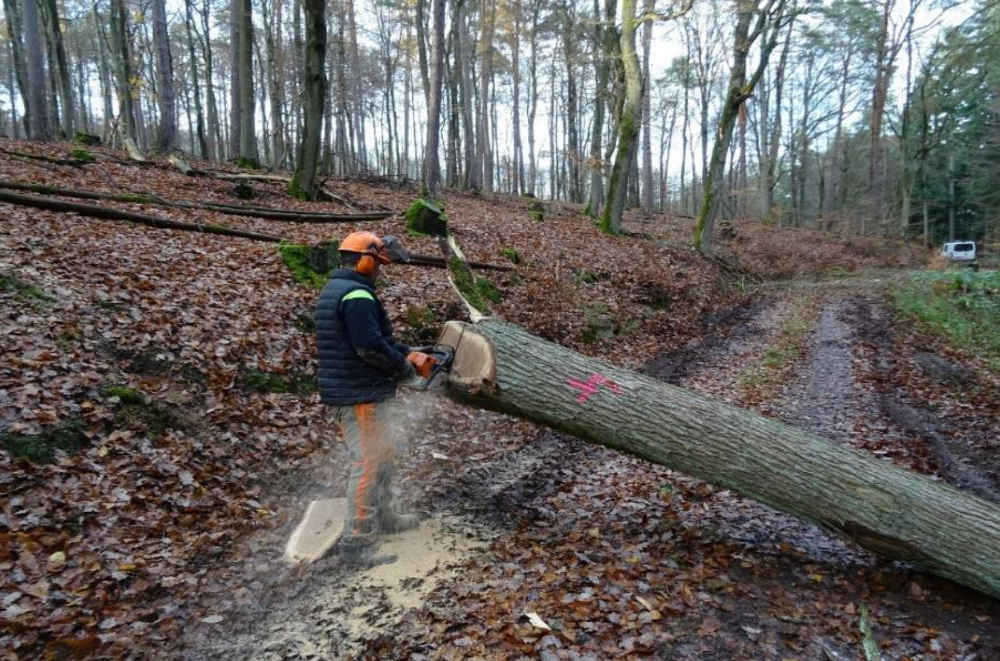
(304, 184)
(432, 165)
(768, 18)
(628, 123)
(167, 133)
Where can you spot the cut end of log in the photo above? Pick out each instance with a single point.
(475, 366)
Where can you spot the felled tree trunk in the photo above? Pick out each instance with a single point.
(897, 513)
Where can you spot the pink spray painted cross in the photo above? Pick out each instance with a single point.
(589, 387)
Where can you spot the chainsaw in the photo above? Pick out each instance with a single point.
(429, 362)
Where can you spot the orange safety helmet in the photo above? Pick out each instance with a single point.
(373, 250)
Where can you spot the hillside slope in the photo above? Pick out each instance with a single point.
(161, 380)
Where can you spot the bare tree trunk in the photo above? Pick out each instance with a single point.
(432, 165)
(358, 105)
(569, 38)
(196, 92)
(886, 509)
(235, 107)
(38, 119)
(772, 137)
(123, 67)
(341, 143)
(304, 184)
(65, 84)
(533, 98)
(15, 29)
(768, 24)
(248, 136)
(685, 190)
(425, 76)
(605, 49)
(214, 128)
(646, 199)
(628, 123)
(275, 76)
(516, 61)
(484, 155)
(469, 179)
(166, 137)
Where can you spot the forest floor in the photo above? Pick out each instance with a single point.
(623, 558)
(157, 525)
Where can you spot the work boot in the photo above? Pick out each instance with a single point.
(356, 546)
(391, 521)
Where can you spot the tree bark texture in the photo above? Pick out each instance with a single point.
(196, 92)
(767, 25)
(886, 509)
(628, 123)
(15, 31)
(65, 83)
(304, 184)
(646, 198)
(248, 139)
(166, 136)
(123, 68)
(432, 163)
(38, 119)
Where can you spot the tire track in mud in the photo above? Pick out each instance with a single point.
(331, 611)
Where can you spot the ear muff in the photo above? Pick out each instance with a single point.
(366, 265)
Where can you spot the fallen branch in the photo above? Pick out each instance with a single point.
(442, 263)
(897, 513)
(75, 162)
(142, 219)
(146, 198)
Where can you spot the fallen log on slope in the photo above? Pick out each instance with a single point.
(897, 513)
(165, 223)
(115, 214)
(148, 198)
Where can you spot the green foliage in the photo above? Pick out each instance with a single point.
(133, 410)
(425, 217)
(247, 163)
(40, 448)
(86, 139)
(297, 257)
(536, 210)
(244, 191)
(296, 190)
(25, 291)
(477, 291)
(124, 394)
(790, 345)
(964, 306)
(512, 254)
(297, 383)
(81, 155)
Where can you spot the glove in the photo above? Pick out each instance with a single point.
(411, 379)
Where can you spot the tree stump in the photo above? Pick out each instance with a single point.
(426, 218)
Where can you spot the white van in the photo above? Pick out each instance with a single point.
(960, 251)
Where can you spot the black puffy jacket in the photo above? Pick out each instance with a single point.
(358, 359)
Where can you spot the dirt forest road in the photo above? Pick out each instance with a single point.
(542, 546)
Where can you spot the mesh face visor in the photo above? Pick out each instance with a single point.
(392, 251)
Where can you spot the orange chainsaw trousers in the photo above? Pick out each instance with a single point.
(371, 441)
